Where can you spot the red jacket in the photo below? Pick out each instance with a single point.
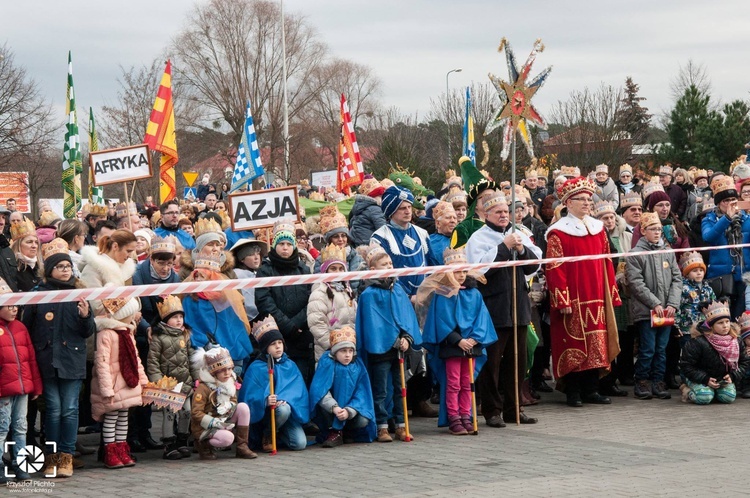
(19, 373)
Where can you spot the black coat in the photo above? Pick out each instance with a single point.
(700, 361)
(59, 336)
(538, 231)
(27, 279)
(8, 264)
(287, 305)
(498, 291)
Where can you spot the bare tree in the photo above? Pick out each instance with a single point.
(691, 74)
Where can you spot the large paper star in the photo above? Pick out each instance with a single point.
(517, 110)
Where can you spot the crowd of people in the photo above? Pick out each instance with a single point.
(329, 363)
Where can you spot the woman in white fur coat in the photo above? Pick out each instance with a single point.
(110, 263)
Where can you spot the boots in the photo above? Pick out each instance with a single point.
(205, 450)
(243, 450)
(50, 464)
(171, 450)
(468, 424)
(424, 409)
(123, 452)
(643, 389)
(456, 426)
(401, 434)
(267, 443)
(182, 445)
(384, 436)
(333, 440)
(65, 467)
(112, 456)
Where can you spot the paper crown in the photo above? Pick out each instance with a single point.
(44, 205)
(316, 196)
(330, 211)
(373, 253)
(542, 172)
(603, 207)
(716, 311)
(98, 210)
(626, 168)
(300, 228)
(121, 307)
(166, 245)
(333, 253)
(263, 327)
(570, 171)
(722, 184)
(651, 187)
(330, 223)
(304, 183)
(456, 197)
(493, 200)
(371, 187)
(690, 261)
(286, 226)
(649, 219)
(206, 225)
(218, 359)
(665, 170)
(708, 205)
(531, 173)
(21, 229)
(4, 288)
(575, 186)
(54, 246)
(169, 306)
(630, 200)
(207, 262)
(700, 173)
(47, 218)
(264, 235)
(744, 322)
(344, 334)
(454, 256)
(441, 209)
(123, 210)
(601, 168)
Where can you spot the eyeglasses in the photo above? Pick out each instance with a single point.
(12, 306)
(159, 262)
(655, 230)
(62, 267)
(582, 199)
(171, 213)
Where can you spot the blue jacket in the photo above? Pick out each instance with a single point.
(720, 262)
(233, 237)
(183, 237)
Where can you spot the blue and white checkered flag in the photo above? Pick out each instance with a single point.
(248, 166)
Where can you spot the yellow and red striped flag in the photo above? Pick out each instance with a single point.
(350, 170)
(160, 135)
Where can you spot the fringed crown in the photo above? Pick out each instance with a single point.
(169, 306)
(54, 246)
(206, 225)
(21, 229)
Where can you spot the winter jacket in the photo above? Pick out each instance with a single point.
(694, 207)
(184, 238)
(608, 192)
(538, 195)
(637, 187)
(678, 199)
(365, 217)
(288, 306)
(59, 335)
(325, 313)
(142, 276)
(538, 231)
(354, 262)
(653, 280)
(27, 279)
(107, 381)
(205, 406)
(700, 361)
(18, 369)
(720, 261)
(8, 264)
(98, 270)
(169, 355)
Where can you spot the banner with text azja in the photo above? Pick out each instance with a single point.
(120, 165)
(262, 208)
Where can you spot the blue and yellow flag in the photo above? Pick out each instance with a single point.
(469, 149)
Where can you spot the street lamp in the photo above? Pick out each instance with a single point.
(447, 110)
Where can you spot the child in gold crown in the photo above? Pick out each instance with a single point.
(215, 410)
(169, 356)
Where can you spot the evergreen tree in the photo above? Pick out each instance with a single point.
(690, 111)
(632, 116)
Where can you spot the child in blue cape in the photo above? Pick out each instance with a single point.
(340, 393)
(386, 327)
(290, 399)
(458, 326)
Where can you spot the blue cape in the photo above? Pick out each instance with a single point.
(381, 316)
(225, 327)
(466, 312)
(288, 383)
(350, 386)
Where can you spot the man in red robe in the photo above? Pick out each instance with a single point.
(582, 296)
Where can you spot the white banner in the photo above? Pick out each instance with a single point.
(262, 208)
(120, 165)
(324, 178)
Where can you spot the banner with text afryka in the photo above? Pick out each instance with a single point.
(262, 208)
(120, 165)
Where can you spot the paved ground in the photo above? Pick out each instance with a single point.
(631, 448)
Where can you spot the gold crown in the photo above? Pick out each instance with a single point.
(665, 169)
(626, 167)
(493, 200)
(691, 260)
(651, 187)
(167, 244)
(649, 219)
(21, 229)
(344, 334)
(449, 173)
(441, 209)
(631, 199)
(328, 223)
(373, 252)
(98, 210)
(333, 253)
(262, 327)
(485, 174)
(602, 168)
(721, 184)
(572, 171)
(4, 288)
(304, 183)
(329, 211)
(207, 262)
(54, 246)
(603, 207)
(169, 306)
(700, 173)
(708, 205)
(542, 172)
(744, 321)
(218, 359)
(317, 196)
(47, 218)
(264, 235)
(206, 225)
(123, 210)
(716, 311)
(531, 173)
(454, 256)
(114, 305)
(575, 186)
(370, 185)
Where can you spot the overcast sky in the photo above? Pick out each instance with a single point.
(411, 44)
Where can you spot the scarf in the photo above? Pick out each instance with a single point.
(727, 347)
(498, 228)
(287, 264)
(627, 187)
(128, 358)
(30, 262)
(155, 276)
(62, 284)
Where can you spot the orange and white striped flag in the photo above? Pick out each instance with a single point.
(350, 171)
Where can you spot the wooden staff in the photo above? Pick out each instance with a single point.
(273, 407)
(512, 214)
(403, 394)
(473, 397)
(127, 207)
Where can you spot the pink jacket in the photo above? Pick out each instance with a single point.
(107, 380)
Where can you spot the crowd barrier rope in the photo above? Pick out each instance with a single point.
(111, 292)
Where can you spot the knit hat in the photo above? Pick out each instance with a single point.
(218, 359)
(575, 186)
(145, 234)
(629, 200)
(722, 187)
(656, 198)
(330, 255)
(742, 171)
(690, 261)
(265, 332)
(665, 170)
(603, 207)
(744, 322)
(53, 253)
(245, 247)
(649, 219)
(716, 311)
(626, 168)
(392, 199)
(121, 308)
(345, 337)
(284, 230)
(170, 306)
(371, 187)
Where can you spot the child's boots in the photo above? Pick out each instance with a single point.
(456, 426)
(112, 456)
(243, 450)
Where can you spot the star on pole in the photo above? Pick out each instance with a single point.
(516, 110)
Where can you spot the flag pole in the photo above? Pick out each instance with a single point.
(515, 289)
(285, 104)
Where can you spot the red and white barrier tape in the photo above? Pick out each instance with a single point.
(24, 298)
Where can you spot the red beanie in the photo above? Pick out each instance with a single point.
(656, 198)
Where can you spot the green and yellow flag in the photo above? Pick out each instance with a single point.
(71, 166)
(96, 194)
